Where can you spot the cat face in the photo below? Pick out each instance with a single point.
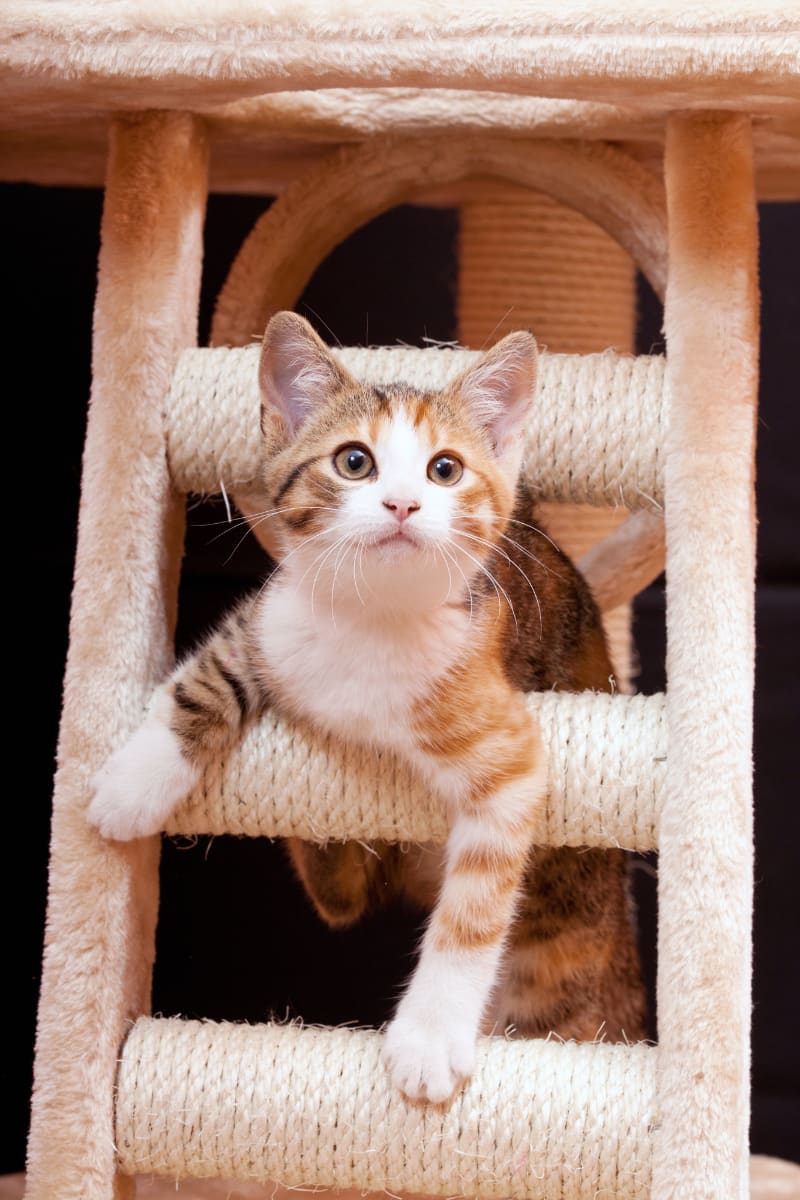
(389, 497)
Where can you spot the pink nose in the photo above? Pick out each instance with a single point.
(401, 508)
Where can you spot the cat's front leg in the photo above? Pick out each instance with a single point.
(198, 713)
(142, 782)
(429, 1047)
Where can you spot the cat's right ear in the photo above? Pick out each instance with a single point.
(297, 372)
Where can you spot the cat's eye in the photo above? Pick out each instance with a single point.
(445, 469)
(353, 462)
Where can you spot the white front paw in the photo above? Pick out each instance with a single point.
(427, 1059)
(140, 784)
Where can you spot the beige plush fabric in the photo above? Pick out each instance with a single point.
(770, 1179)
(580, 69)
(625, 49)
(324, 206)
(434, 100)
(254, 69)
(711, 321)
(103, 896)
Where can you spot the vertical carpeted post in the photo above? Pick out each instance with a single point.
(528, 262)
(705, 874)
(103, 896)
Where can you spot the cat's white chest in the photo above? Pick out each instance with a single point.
(359, 679)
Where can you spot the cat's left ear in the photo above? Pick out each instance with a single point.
(297, 372)
(498, 392)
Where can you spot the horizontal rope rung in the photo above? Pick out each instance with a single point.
(606, 760)
(595, 435)
(313, 1107)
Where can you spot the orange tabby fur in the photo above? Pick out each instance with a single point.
(404, 615)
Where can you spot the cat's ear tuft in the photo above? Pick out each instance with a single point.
(297, 372)
(498, 391)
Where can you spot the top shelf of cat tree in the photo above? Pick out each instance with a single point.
(281, 81)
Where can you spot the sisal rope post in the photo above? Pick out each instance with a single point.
(580, 444)
(313, 1108)
(606, 770)
(103, 895)
(705, 878)
(527, 261)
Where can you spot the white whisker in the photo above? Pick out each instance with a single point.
(449, 572)
(357, 559)
(510, 561)
(252, 522)
(518, 545)
(321, 559)
(301, 545)
(461, 572)
(444, 558)
(257, 517)
(339, 559)
(498, 587)
(523, 550)
(529, 554)
(536, 529)
(312, 537)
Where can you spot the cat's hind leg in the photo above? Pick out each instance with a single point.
(572, 965)
(342, 879)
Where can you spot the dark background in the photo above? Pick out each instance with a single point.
(236, 936)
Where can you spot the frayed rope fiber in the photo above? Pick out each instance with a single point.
(312, 1107)
(606, 772)
(582, 445)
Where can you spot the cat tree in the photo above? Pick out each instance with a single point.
(661, 130)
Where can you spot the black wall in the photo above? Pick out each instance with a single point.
(236, 937)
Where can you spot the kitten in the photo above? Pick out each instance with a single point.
(390, 621)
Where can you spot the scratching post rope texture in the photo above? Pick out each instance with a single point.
(581, 444)
(102, 898)
(606, 770)
(526, 261)
(563, 1122)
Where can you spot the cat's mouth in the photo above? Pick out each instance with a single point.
(399, 537)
